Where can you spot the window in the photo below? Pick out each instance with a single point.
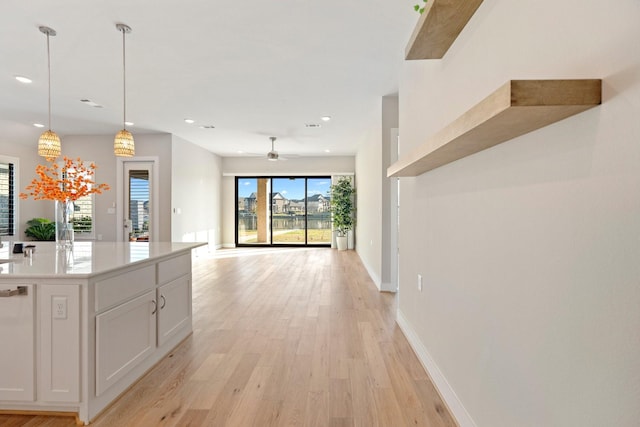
(84, 212)
(139, 194)
(291, 211)
(7, 197)
(83, 216)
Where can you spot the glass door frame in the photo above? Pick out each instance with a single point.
(154, 222)
(271, 192)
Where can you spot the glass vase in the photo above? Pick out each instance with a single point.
(64, 224)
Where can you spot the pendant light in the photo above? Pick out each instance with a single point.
(123, 145)
(49, 141)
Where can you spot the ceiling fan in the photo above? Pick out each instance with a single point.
(273, 154)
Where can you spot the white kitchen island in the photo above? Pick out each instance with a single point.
(78, 327)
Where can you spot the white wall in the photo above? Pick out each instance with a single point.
(258, 166)
(182, 166)
(374, 198)
(369, 202)
(99, 148)
(529, 250)
(390, 120)
(196, 212)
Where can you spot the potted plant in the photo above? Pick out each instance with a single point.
(342, 210)
(40, 229)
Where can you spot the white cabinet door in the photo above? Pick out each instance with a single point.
(174, 300)
(16, 327)
(125, 335)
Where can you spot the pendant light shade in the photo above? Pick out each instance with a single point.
(49, 145)
(123, 145)
(49, 141)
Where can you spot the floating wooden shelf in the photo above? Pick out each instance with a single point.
(438, 27)
(516, 108)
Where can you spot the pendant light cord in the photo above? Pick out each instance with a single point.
(124, 82)
(49, 71)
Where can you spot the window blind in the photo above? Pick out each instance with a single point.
(7, 202)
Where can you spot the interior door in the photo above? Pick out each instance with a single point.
(138, 204)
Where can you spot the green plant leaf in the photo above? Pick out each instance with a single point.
(40, 229)
(342, 205)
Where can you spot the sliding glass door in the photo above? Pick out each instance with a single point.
(252, 211)
(291, 211)
(318, 212)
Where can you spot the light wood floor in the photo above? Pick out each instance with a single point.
(288, 337)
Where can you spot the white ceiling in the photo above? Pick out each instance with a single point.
(251, 69)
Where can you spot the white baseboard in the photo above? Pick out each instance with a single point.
(372, 274)
(388, 287)
(437, 377)
(228, 245)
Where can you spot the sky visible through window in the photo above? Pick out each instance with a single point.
(292, 189)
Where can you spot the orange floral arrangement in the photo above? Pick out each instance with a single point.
(69, 181)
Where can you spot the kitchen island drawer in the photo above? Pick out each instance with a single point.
(122, 287)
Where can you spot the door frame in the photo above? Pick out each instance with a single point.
(394, 226)
(155, 195)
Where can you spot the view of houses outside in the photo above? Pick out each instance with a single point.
(298, 210)
(139, 193)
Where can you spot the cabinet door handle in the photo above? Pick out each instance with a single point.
(164, 302)
(155, 306)
(6, 293)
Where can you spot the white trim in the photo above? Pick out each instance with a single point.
(270, 174)
(388, 287)
(394, 206)
(155, 226)
(228, 245)
(437, 377)
(372, 274)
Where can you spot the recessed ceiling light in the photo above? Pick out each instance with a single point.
(38, 125)
(128, 123)
(240, 151)
(23, 79)
(327, 151)
(189, 121)
(326, 118)
(312, 125)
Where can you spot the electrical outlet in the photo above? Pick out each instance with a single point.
(59, 307)
(420, 282)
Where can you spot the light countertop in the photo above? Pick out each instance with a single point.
(85, 259)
